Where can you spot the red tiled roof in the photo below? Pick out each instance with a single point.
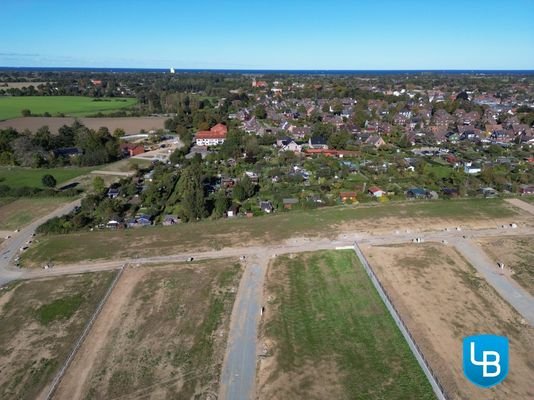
(374, 189)
(217, 132)
(211, 135)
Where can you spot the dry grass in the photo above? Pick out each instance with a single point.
(39, 322)
(165, 337)
(517, 254)
(443, 299)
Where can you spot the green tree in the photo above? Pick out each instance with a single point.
(221, 204)
(260, 112)
(191, 193)
(26, 113)
(119, 132)
(244, 189)
(49, 181)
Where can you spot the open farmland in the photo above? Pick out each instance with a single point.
(39, 322)
(11, 106)
(162, 334)
(328, 222)
(442, 299)
(517, 254)
(20, 212)
(131, 125)
(327, 334)
(31, 177)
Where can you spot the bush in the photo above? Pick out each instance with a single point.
(49, 181)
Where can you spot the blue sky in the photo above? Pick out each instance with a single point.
(271, 34)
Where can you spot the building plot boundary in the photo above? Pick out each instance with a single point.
(432, 378)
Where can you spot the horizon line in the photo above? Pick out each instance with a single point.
(279, 69)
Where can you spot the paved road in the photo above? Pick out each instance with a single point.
(11, 247)
(518, 297)
(239, 370)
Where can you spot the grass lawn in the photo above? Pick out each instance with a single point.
(331, 333)
(11, 107)
(19, 176)
(40, 321)
(326, 222)
(20, 212)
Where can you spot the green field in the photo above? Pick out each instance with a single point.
(333, 334)
(20, 212)
(209, 235)
(19, 176)
(40, 321)
(76, 106)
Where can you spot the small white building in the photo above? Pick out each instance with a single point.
(471, 168)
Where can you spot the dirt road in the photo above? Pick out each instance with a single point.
(522, 205)
(11, 247)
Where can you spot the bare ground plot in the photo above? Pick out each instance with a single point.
(517, 254)
(131, 125)
(39, 322)
(442, 299)
(23, 211)
(328, 222)
(162, 334)
(327, 335)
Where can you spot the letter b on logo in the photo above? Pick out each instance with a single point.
(485, 359)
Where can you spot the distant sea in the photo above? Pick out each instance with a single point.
(272, 71)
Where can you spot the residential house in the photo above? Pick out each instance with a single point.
(346, 197)
(266, 206)
(526, 189)
(376, 141)
(215, 136)
(375, 191)
(416, 193)
(113, 193)
(472, 168)
(318, 142)
(67, 152)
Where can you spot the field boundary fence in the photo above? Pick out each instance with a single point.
(423, 362)
(57, 379)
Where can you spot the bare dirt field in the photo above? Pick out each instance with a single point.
(19, 85)
(517, 254)
(131, 125)
(39, 322)
(442, 299)
(162, 334)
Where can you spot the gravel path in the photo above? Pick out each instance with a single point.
(514, 294)
(239, 370)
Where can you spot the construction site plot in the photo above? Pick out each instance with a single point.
(442, 299)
